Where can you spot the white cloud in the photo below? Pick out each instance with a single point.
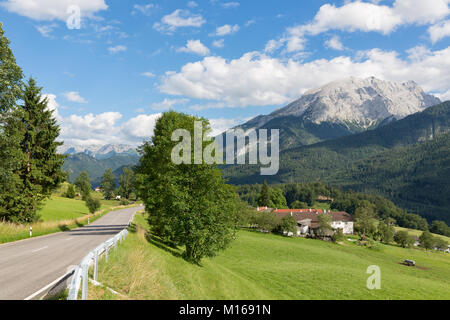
(148, 74)
(139, 128)
(53, 9)
(335, 43)
(74, 96)
(366, 17)
(259, 80)
(91, 129)
(439, 31)
(179, 18)
(105, 128)
(192, 4)
(167, 104)
(219, 43)
(231, 4)
(46, 30)
(117, 49)
(250, 22)
(145, 9)
(226, 30)
(195, 46)
(52, 105)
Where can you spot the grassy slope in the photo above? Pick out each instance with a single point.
(259, 266)
(419, 233)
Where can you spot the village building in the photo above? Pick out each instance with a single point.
(308, 222)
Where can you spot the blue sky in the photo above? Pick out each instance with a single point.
(224, 60)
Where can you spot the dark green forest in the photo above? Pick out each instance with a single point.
(406, 161)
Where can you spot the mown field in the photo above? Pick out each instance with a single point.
(260, 266)
(418, 233)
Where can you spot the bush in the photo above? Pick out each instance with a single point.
(70, 193)
(338, 236)
(440, 243)
(267, 221)
(124, 202)
(288, 224)
(404, 239)
(93, 204)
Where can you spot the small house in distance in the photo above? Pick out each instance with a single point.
(308, 222)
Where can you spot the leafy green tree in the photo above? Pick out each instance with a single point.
(426, 240)
(126, 182)
(440, 243)
(325, 228)
(264, 196)
(404, 239)
(385, 232)
(10, 136)
(288, 224)
(267, 221)
(365, 218)
(338, 236)
(189, 204)
(70, 193)
(93, 204)
(83, 183)
(299, 205)
(40, 170)
(440, 227)
(10, 75)
(277, 199)
(108, 184)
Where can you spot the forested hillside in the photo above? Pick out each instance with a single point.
(406, 161)
(79, 162)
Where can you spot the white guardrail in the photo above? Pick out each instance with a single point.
(80, 275)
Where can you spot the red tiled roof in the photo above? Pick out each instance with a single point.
(313, 216)
(298, 210)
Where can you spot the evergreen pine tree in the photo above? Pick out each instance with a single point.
(40, 166)
(264, 196)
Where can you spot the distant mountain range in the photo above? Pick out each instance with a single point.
(95, 159)
(407, 161)
(98, 151)
(342, 108)
(368, 135)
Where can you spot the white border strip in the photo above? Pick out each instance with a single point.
(31, 297)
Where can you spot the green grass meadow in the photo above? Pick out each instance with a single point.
(264, 266)
(58, 214)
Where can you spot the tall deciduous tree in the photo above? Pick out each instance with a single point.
(40, 170)
(427, 240)
(83, 183)
(126, 182)
(108, 184)
(188, 204)
(365, 217)
(10, 91)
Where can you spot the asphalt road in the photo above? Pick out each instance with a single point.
(30, 265)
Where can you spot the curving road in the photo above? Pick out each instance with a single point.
(28, 266)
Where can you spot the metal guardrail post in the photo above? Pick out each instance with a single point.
(95, 265)
(85, 275)
(81, 272)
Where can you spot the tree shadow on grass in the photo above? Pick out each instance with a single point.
(63, 227)
(158, 242)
